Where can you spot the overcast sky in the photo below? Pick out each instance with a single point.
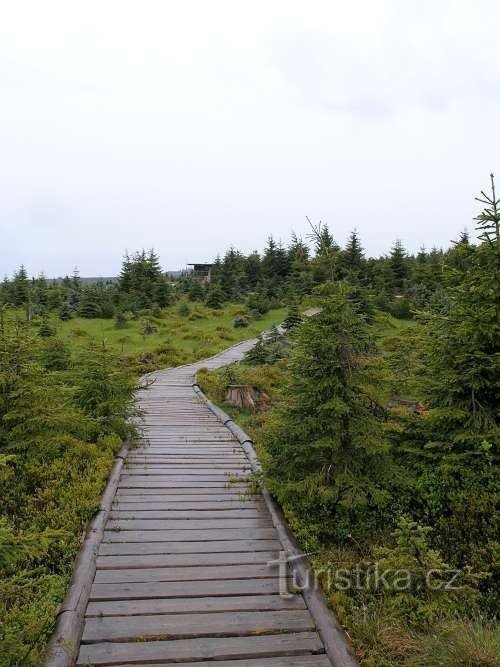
(193, 125)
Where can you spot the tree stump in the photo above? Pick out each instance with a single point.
(245, 396)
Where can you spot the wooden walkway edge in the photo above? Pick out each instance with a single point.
(175, 567)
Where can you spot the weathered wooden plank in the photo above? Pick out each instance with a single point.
(188, 506)
(211, 436)
(192, 452)
(199, 427)
(158, 436)
(185, 473)
(184, 589)
(189, 459)
(162, 483)
(286, 661)
(179, 422)
(191, 449)
(209, 442)
(191, 573)
(193, 605)
(200, 547)
(224, 476)
(167, 442)
(219, 456)
(262, 521)
(168, 439)
(184, 626)
(166, 457)
(234, 462)
(197, 464)
(154, 436)
(184, 496)
(198, 535)
(190, 421)
(193, 464)
(173, 560)
(212, 648)
(186, 469)
(247, 513)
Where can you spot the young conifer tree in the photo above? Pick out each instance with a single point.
(293, 318)
(463, 346)
(215, 297)
(353, 256)
(105, 391)
(398, 263)
(327, 452)
(459, 438)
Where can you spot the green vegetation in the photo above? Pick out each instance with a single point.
(381, 445)
(380, 440)
(174, 338)
(66, 381)
(63, 417)
(64, 404)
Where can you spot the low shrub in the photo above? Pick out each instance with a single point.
(184, 310)
(240, 321)
(148, 329)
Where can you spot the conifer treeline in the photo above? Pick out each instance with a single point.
(397, 282)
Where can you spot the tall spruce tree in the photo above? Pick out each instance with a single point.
(90, 307)
(459, 438)
(399, 265)
(20, 287)
(36, 419)
(104, 391)
(215, 297)
(353, 260)
(326, 260)
(298, 254)
(327, 454)
(253, 270)
(464, 344)
(232, 274)
(65, 312)
(354, 256)
(293, 318)
(139, 278)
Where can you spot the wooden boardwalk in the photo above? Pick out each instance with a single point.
(182, 570)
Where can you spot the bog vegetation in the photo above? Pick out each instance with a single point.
(379, 442)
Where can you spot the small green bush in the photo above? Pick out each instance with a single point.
(149, 329)
(240, 321)
(120, 320)
(46, 329)
(184, 310)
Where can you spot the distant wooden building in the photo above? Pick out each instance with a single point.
(202, 272)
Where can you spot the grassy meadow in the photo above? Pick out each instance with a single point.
(182, 333)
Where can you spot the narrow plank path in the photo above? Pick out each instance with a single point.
(182, 572)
